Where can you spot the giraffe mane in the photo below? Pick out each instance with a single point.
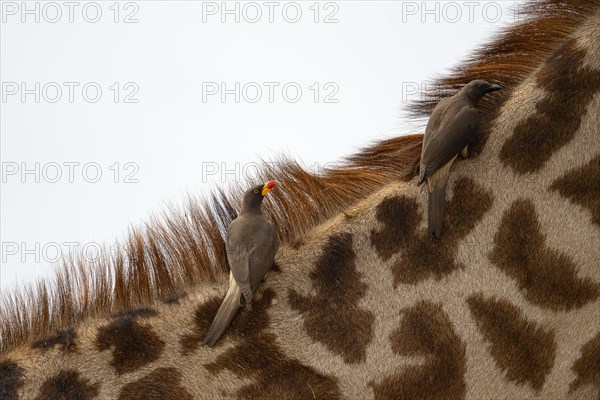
(184, 246)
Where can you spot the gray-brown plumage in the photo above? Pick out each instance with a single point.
(252, 242)
(453, 124)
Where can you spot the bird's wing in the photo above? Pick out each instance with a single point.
(238, 257)
(251, 247)
(435, 119)
(267, 244)
(275, 241)
(449, 139)
(433, 125)
(271, 239)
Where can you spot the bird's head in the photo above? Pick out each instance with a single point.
(478, 88)
(254, 196)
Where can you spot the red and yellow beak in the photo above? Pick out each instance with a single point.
(268, 187)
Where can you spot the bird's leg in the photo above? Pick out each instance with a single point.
(464, 153)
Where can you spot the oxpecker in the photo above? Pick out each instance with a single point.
(252, 242)
(453, 124)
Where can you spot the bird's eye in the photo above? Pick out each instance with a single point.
(255, 191)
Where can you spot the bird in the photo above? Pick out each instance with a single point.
(452, 126)
(252, 242)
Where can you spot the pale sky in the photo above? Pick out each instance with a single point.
(110, 112)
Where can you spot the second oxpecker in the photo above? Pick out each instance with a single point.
(453, 124)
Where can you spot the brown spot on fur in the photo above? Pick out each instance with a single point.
(256, 356)
(67, 385)
(522, 349)
(65, 340)
(400, 216)
(203, 317)
(547, 278)
(11, 380)
(553, 125)
(160, 384)
(134, 344)
(423, 256)
(338, 290)
(587, 367)
(582, 186)
(426, 332)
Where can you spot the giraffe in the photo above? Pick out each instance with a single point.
(361, 303)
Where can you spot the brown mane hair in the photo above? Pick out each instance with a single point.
(184, 246)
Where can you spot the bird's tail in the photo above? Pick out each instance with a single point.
(227, 310)
(437, 201)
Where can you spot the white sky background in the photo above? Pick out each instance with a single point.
(371, 57)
